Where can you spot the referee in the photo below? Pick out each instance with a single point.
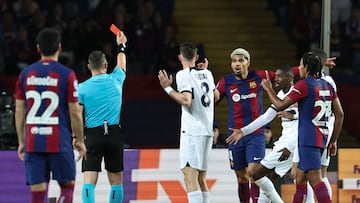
(101, 98)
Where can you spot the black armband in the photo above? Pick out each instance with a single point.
(121, 48)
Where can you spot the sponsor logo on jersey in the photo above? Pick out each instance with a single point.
(233, 90)
(41, 130)
(237, 97)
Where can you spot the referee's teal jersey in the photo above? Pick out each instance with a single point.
(101, 96)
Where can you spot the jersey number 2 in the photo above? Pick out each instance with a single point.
(325, 111)
(46, 117)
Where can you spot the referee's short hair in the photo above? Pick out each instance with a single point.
(97, 59)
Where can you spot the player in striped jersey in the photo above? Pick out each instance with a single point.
(317, 100)
(325, 158)
(195, 93)
(243, 93)
(48, 120)
(277, 163)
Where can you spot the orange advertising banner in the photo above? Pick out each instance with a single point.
(349, 163)
(349, 196)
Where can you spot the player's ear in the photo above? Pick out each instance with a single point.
(106, 65)
(59, 47)
(180, 57)
(196, 57)
(38, 48)
(88, 66)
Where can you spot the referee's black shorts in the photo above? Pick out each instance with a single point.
(108, 146)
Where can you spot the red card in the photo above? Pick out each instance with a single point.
(114, 29)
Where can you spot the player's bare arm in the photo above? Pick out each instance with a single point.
(339, 118)
(77, 127)
(216, 95)
(20, 126)
(121, 57)
(181, 98)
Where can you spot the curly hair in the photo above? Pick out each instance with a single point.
(313, 63)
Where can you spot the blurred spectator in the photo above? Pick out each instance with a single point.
(8, 38)
(339, 48)
(353, 34)
(143, 39)
(170, 51)
(306, 28)
(340, 11)
(280, 9)
(85, 21)
(24, 51)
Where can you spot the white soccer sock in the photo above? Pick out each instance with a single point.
(263, 198)
(328, 186)
(206, 197)
(310, 194)
(195, 196)
(267, 186)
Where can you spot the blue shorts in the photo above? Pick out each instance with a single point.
(39, 165)
(249, 149)
(310, 158)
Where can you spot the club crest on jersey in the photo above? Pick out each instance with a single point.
(252, 84)
(236, 97)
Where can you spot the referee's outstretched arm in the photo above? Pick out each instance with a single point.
(121, 45)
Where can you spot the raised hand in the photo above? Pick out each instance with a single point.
(164, 79)
(266, 83)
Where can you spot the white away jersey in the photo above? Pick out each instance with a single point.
(289, 134)
(331, 121)
(197, 120)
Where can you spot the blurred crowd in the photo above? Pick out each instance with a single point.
(302, 19)
(152, 31)
(84, 25)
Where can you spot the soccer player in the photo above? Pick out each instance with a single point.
(243, 92)
(325, 158)
(317, 100)
(195, 94)
(279, 161)
(101, 99)
(48, 120)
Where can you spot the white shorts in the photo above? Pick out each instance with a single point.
(325, 159)
(271, 161)
(195, 151)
